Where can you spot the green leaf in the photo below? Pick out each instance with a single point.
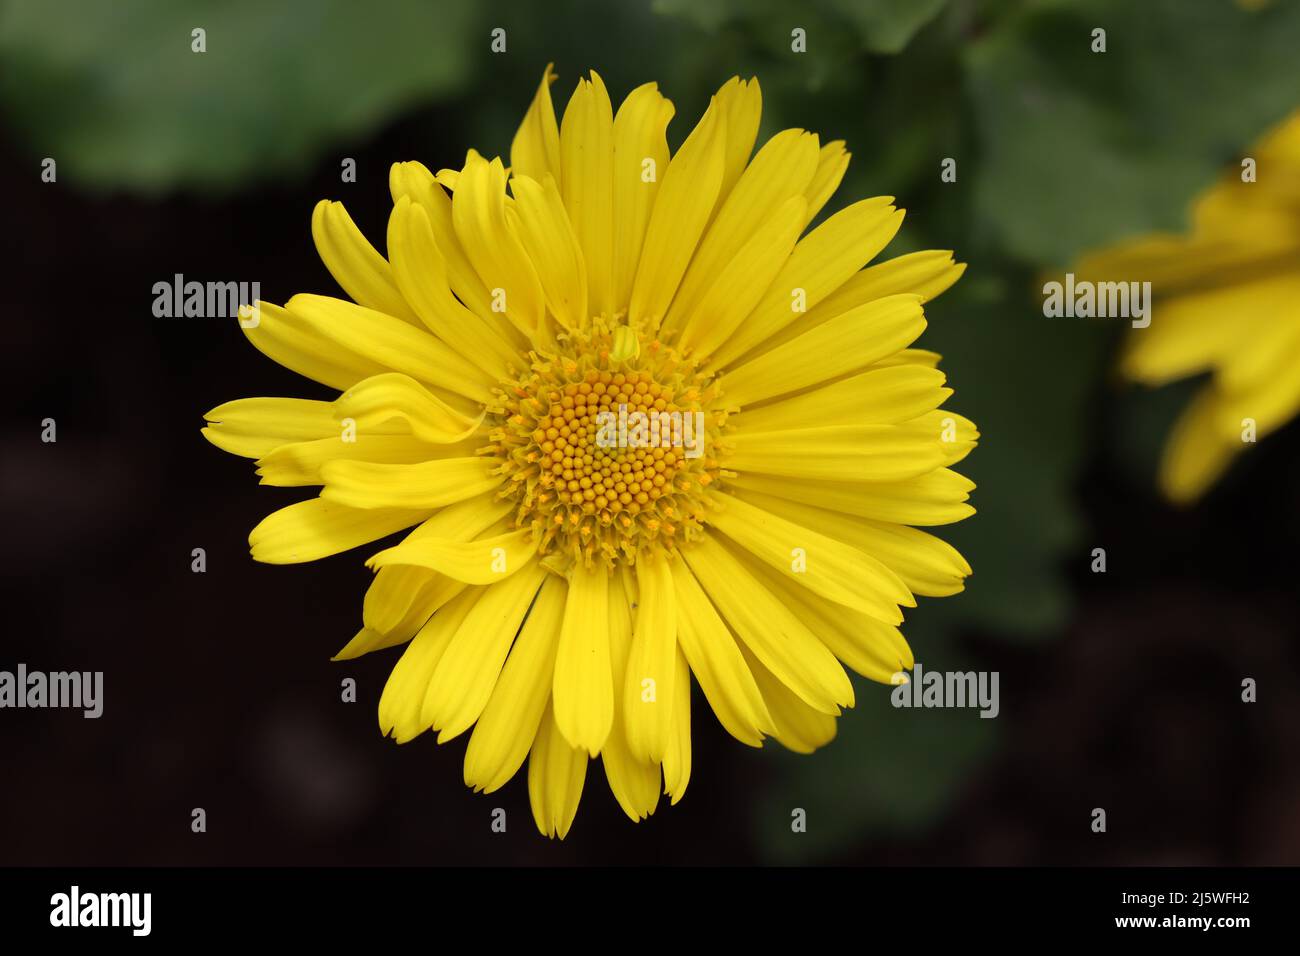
(115, 94)
(1082, 148)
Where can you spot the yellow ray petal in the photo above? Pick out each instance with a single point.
(463, 680)
(838, 452)
(828, 567)
(396, 589)
(414, 181)
(681, 211)
(717, 663)
(884, 396)
(798, 727)
(482, 561)
(1197, 453)
(926, 564)
(317, 528)
(427, 485)
(774, 634)
(866, 644)
(300, 463)
(741, 103)
(781, 170)
(934, 499)
(677, 760)
(421, 271)
(583, 688)
(401, 702)
(927, 274)
(551, 244)
(478, 211)
(639, 135)
(847, 343)
(738, 287)
(391, 398)
(353, 262)
(822, 262)
(648, 684)
(587, 161)
(293, 342)
(252, 427)
(342, 327)
(832, 163)
(505, 732)
(634, 783)
(535, 150)
(556, 773)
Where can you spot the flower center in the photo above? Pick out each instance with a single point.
(608, 446)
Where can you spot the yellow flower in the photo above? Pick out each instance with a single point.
(1227, 302)
(643, 430)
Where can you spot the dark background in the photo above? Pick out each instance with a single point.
(1119, 690)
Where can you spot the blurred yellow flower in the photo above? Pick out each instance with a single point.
(645, 428)
(1227, 302)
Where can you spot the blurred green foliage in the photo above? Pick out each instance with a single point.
(1058, 148)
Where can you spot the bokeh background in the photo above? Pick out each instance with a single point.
(1119, 690)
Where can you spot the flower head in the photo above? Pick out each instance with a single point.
(646, 428)
(1227, 303)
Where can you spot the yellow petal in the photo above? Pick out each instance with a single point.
(868, 645)
(463, 680)
(427, 485)
(681, 211)
(832, 569)
(395, 590)
(717, 663)
(583, 688)
(482, 561)
(402, 701)
(300, 463)
(926, 564)
(505, 732)
(883, 396)
(478, 211)
(847, 343)
(391, 398)
(317, 528)
(639, 135)
(251, 427)
(421, 271)
(386, 344)
(648, 684)
(737, 288)
(556, 773)
(781, 171)
(821, 263)
(1197, 453)
(634, 783)
(933, 499)
(677, 760)
(353, 262)
(292, 341)
(535, 150)
(551, 244)
(741, 104)
(832, 162)
(769, 629)
(798, 727)
(414, 181)
(587, 161)
(838, 452)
